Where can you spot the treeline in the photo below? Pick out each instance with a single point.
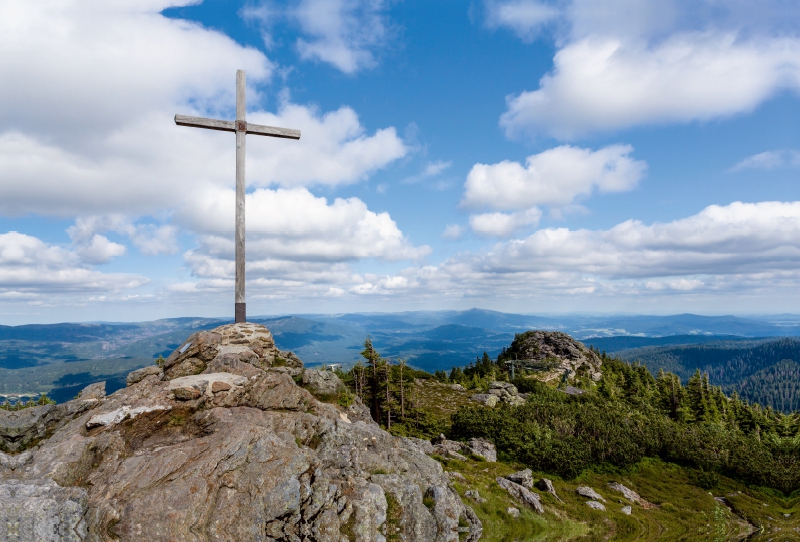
(632, 415)
(476, 375)
(743, 368)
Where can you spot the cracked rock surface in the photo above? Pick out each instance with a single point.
(249, 456)
(556, 353)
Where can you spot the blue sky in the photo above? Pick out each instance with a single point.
(518, 155)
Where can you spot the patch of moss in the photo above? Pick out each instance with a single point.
(176, 420)
(394, 512)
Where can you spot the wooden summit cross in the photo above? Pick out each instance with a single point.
(241, 127)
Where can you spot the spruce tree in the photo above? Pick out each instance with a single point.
(373, 359)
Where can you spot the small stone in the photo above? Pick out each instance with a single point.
(522, 494)
(523, 478)
(475, 496)
(547, 485)
(589, 493)
(485, 399)
(218, 386)
(482, 448)
(572, 390)
(513, 512)
(322, 382)
(456, 476)
(186, 394)
(455, 455)
(631, 495)
(627, 510)
(596, 505)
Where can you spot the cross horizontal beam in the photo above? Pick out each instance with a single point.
(231, 125)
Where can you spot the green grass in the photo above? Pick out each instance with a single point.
(439, 399)
(683, 511)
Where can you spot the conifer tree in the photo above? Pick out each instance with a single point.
(373, 359)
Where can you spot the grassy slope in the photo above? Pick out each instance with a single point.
(684, 511)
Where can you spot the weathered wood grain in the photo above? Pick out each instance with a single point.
(240, 186)
(241, 127)
(272, 131)
(201, 122)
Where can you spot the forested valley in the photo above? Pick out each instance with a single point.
(762, 371)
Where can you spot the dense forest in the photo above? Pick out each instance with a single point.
(747, 367)
(633, 415)
(629, 415)
(777, 386)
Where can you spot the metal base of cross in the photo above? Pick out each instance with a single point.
(241, 313)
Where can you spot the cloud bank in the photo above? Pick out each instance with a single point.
(663, 62)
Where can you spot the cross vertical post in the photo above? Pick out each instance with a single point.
(241, 127)
(241, 132)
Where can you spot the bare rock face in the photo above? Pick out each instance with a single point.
(22, 429)
(482, 448)
(589, 493)
(234, 348)
(523, 478)
(554, 354)
(322, 382)
(41, 511)
(247, 454)
(522, 494)
(631, 495)
(547, 485)
(140, 374)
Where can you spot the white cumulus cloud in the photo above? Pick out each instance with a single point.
(604, 83)
(344, 33)
(452, 231)
(293, 238)
(625, 63)
(747, 249)
(30, 266)
(99, 249)
(553, 177)
(107, 78)
(503, 224)
(524, 17)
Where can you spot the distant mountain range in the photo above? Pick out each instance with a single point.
(61, 358)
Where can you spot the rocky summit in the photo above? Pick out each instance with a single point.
(221, 443)
(554, 354)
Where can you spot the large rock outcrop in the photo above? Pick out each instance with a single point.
(238, 348)
(221, 445)
(554, 354)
